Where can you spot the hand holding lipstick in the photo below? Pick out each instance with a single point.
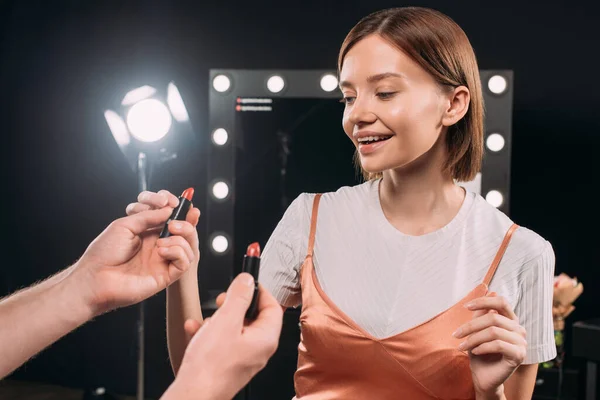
(228, 350)
(128, 262)
(125, 264)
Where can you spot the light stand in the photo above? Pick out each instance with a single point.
(140, 124)
(142, 175)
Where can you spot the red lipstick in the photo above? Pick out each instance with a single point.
(180, 212)
(188, 194)
(251, 265)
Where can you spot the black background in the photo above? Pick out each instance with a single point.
(64, 179)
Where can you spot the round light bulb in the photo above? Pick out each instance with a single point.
(149, 120)
(497, 84)
(221, 83)
(220, 136)
(275, 84)
(220, 190)
(495, 142)
(329, 83)
(495, 198)
(220, 244)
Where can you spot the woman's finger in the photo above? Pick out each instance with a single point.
(172, 200)
(193, 216)
(155, 200)
(508, 350)
(176, 241)
(191, 326)
(135, 208)
(491, 334)
(497, 303)
(486, 321)
(177, 257)
(221, 299)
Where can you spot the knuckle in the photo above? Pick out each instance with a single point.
(495, 331)
(523, 331)
(496, 318)
(498, 346)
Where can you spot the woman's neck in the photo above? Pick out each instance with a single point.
(420, 201)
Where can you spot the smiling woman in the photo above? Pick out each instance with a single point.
(410, 286)
(388, 63)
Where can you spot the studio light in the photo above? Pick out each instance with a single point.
(221, 83)
(135, 95)
(220, 190)
(117, 127)
(220, 136)
(151, 127)
(329, 83)
(149, 120)
(219, 243)
(175, 103)
(497, 84)
(275, 84)
(495, 142)
(495, 198)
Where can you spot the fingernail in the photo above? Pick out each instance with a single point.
(144, 196)
(457, 332)
(164, 200)
(177, 225)
(248, 279)
(462, 346)
(469, 305)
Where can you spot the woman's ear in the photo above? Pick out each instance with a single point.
(459, 99)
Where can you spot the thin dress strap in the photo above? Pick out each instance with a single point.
(313, 225)
(499, 254)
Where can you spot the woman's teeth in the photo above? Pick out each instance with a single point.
(370, 139)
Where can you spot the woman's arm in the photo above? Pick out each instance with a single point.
(522, 382)
(183, 302)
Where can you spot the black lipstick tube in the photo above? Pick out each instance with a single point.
(179, 214)
(251, 265)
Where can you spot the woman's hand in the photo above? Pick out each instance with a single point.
(495, 342)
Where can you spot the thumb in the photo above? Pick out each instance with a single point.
(239, 296)
(191, 326)
(141, 222)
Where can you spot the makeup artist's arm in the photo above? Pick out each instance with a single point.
(123, 265)
(183, 297)
(225, 353)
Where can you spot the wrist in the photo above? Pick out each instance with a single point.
(72, 297)
(180, 391)
(81, 285)
(493, 394)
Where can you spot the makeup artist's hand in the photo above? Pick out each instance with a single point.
(128, 263)
(227, 351)
(495, 341)
(164, 199)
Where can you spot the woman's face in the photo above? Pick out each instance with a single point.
(394, 109)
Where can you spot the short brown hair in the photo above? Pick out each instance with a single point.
(442, 48)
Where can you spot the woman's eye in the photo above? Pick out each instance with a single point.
(385, 95)
(347, 100)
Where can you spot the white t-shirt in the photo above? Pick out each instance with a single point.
(389, 282)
